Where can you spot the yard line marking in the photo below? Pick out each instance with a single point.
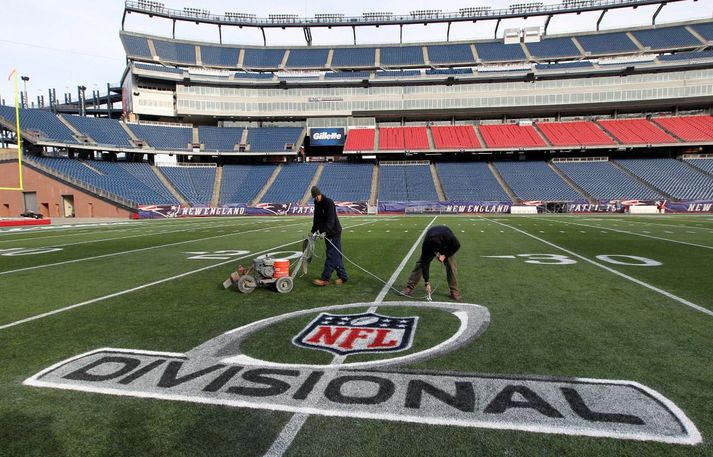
(641, 234)
(293, 427)
(674, 225)
(618, 273)
(114, 254)
(144, 286)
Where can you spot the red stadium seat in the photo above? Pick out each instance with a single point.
(579, 133)
(455, 137)
(636, 131)
(403, 138)
(360, 140)
(511, 136)
(688, 128)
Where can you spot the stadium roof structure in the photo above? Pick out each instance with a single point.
(425, 17)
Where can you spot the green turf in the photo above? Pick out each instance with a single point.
(562, 320)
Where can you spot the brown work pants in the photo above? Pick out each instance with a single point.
(451, 274)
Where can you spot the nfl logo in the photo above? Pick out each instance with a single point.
(357, 333)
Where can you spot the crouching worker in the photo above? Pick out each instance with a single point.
(439, 241)
(326, 221)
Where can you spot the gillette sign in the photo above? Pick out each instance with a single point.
(327, 137)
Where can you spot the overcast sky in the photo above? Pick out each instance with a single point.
(62, 44)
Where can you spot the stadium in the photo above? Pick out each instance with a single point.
(575, 168)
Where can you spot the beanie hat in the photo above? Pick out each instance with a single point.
(315, 191)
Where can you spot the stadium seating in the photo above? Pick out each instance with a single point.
(694, 55)
(406, 183)
(194, 183)
(171, 51)
(602, 180)
(499, 52)
(264, 76)
(471, 181)
(455, 137)
(307, 58)
(703, 164)
(104, 131)
(353, 57)
(510, 136)
(398, 73)
(360, 140)
(449, 71)
(705, 30)
(136, 182)
(263, 58)
(636, 131)
(347, 74)
(220, 56)
(450, 54)
(550, 48)
(564, 66)
(672, 176)
(161, 68)
(688, 128)
(607, 43)
(43, 123)
(273, 139)
(666, 38)
(242, 183)
(220, 138)
(291, 184)
(136, 46)
(164, 137)
(346, 182)
(403, 138)
(579, 133)
(401, 55)
(536, 181)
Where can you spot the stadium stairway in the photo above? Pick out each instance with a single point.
(80, 137)
(268, 184)
(437, 182)
(642, 181)
(377, 136)
(313, 182)
(697, 168)
(541, 133)
(429, 135)
(374, 195)
(514, 198)
(663, 127)
(164, 180)
(571, 183)
(132, 135)
(217, 185)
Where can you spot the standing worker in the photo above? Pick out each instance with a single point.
(327, 222)
(439, 241)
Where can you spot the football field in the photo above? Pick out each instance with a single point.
(575, 335)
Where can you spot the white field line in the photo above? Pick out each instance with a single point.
(114, 254)
(704, 246)
(666, 225)
(144, 286)
(611, 270)
(293, 427)
(7, 231)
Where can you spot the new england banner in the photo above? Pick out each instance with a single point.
(232, 210)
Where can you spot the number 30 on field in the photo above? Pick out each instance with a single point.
(615, 259)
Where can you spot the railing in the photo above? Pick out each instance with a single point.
(580, 159)
(387, 163)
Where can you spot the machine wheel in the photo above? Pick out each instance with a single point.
(246, 284)
(284, 285)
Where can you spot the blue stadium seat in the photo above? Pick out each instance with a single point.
(472, 181)
(171, 51)
(291, 184)
(607, 43)
(164, 137)
(536, 181)
(449, 71)
(704, 164)
(347, 74)
(450, 54)
(335, 175)
(401, 55)
(161, 68)
(136, 46)
(307, 58)
(686, 56)
(272, 139)
(397, 73)
(499, 52)
(550, 48)
(43, 123)
(263, 58)
(263, 76)
(563, 65)
(406, 183)
(666, 38)
(673, 177)
(194, 183)
(220, 138)
(242, 183)
(353, 57)
(104, 131)
(220, 56)
(602, 180)
(705, 30)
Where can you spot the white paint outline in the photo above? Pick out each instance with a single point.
(611, 270)
(694, 436)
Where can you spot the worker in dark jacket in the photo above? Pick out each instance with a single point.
(327, 222)
(439, 241)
